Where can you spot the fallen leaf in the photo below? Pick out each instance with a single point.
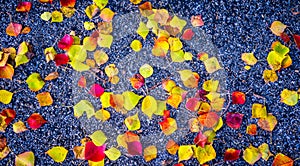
(84, 106)
(61, 59)
(142, 30)
(174, 100)
(25, 159)
(7, 71)
(100, 57)
(133, 122)
(297, 40)
(5, 96)
(105, 40)
(265, 151)
(197, 21)
(277, 28)
(136, 45)
(82, 82)
(200, 139)
(13, 29)
(35, 82)
(251, 155)
(231, 154)
(56, 16)
(234, 120)
(35, 121)
(188, 34)
(91, 10)
(251, 129)
(67, 3)
(44, 99)
(9, 115)
(238, 97)
(102, 115)
(270, 76)
(176, 22)
(150, 153)
(107, 14)
(101, 3)
(205, 154)
(168, 126)
(130, 100)
(192, 104)
(137, 81)
(268, 123)
(51, 76)
(172, 147)
(46, 16)
(98, 138)
(285, 37)
(249, 58)
(96, 90)
(58, 153)
(185, 152)
(282, 160)
(259, 110)
(23, 7)
(289, 97)
(149, 106)
(19, 127)
(50, 53)
(113, 153)
(146, 70)
(212, 65)
(209, 119)
(66, 42)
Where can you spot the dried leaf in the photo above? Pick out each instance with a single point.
(7, 71)
(270, 76)
(178, 23)
(113, 153)
(168, 126)
(51, 76)
(23, 7)
(188, 34)
(172, 147)
(149, 106)
(212, 65)
(249, 58)
(100, 57)
(107, 15)
(265, 151)
(197, 21)
(282, 160)
(251, 129)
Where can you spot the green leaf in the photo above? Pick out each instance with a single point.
(5, 96)
(130, 100)
(280, 48)
(275, 60)
(79, 66)
(101, 3)
(35, 82)
(25, 159)
(142, 30)
(133, 122)
(289, 97)
(46, 16)
(91, 10)
(98, 138)
(113, 153)
(177, 56)
(105, 40)
(58, 153)
(149, 106)
(77, 52)
(21, 59)
(84, 106)
(265, 151)
(178, 23)
(146, 70)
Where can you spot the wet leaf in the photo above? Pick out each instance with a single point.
(25, 159)
(50, 53)
(136, 45)
(82, 82)
(238, 97)
(113, 153)
(270, 76)
(282, 160)
(212, 65)
(35, 121)
(67, 3)
(205, 154)
(234, 120)
(57, 16)
(150, 153)
(277, 28)
(197, 21)
(102, 115)
(251, 129)
(100, 57)
(142, 30)
(289, 97)
(146, 70)
(96, 90)
(101, 3)
(46, 16)
(91, 10)
(185, 152)
(172, 147)
(98, 138)
(58, 153)
(35, 82)
(168, 126)
(251, 155)
(259, 110)
(66, 42)
(249, 58)
(265, 151)
(83, 106)
(267, 123)
(297, 40)
(130, 100)
(231, 154)
(7, 71)
(44, 99)
(133, 122)
(107, 15)
(19, 127)
(13, 29)
(105, 40)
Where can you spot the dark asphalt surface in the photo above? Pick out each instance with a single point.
(234, 27)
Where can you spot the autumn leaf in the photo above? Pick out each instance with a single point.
(176, 22)
(197, 21)
(82, 82)
(259, 110)
(58, 153)
(137, 81)
(105, 40)
(200, 139)
(234, 120)
(61, 59)
(112, 153)
(212, 65)
(13, 29)
(205, 154)
(130, 100)
(249, 58)
(93, 152)
(142, 30)
(174, 100)
(265, 151)
(133, 122)
(98, 138)
(150, 153)
(238, 97)
(136, 45)
(23, 7)
(185, 152)
(19, 127)
(107, 14)
(172, 147)
(102, 115)
(231, 154)
(91, 10)
(101, 3)
(188, 34)
(84, 106)
(297, 40)
(192, 104)
(96, 90)
(289, 97)
(9, 115)
(149, 106)
(66, 42)
(35, 82)
(5, 96)
(190, 79)
(35, 121)
(25, 159)
(282, 160)
(270, 76)
(51, 76)
(146, 70)
(251, 129)
(56, 16)
(7, 71)
(67, 3)
(251, 154)
(100, 57)
(268, 123)
(277, 28)
(46, 16)
(168, 126)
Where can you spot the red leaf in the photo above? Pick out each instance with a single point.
(137, 81)
(238, 97)
(231, 154)
(46, 1)
(82, 82)
(134, 148)
(23, 7)
(35, 121)
(61, 59)
(285, 37)
(13, 29)
(96, 90)
(297, 40)
(10, 114)
(66, 42)
(234, 120)
(209, 119)
(166, 114)
(200, 139)
(94, 153)
(67, 3)
(187, 34)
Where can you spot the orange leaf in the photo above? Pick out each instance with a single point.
(13, 29)
(52, 76)
(44, 99)
(282, 160)
(7, 71)
(23, 7)
(172, 147)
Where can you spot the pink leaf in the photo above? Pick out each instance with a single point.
(61, 59)
(134, 148)
(66, 42)
(200, 139)
(94, 153)
(96, 90)
(234, 120)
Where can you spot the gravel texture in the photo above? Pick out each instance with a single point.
(234, 27)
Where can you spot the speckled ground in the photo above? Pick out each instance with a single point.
(234, 27)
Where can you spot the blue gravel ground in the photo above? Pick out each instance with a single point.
(234, 27)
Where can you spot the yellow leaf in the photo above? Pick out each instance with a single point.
(218, 125)
(211, 85)
(259, 111)
(212, 65)
(205, 154)
(190, 79)
(174, 100)
(149, 106)
(46, 16)
(277, 27)
(5, 96)
(130, 100)
(178, 23)
(249, 58)
(133, 122)
(105, 99)
(21, 59)
(107, 14)
(79, 66)
(98, 138)
(275, 60)
(99, 163)
(247, 67)
(89, 44)
(44, 99)
(77, 52)
(172, 147)
(175, 44)
(91, 10)
(83, 106)
(150, 153)
(136, 45)
(146, 70)
(50, 53)
(168, 126)
(19, 127)
(188, 56)
(185, 152)
(113, 153)
(25, 159)
(217, 103)
(161, 106)
(58, 153)
(135, 1)
(168, 85)
(265, 151)
(102, 115)
(101, 3)
(270, 76)
(251, 154)
(111, 70)
(57, 16)
(142, 30)
(100, 57)
(177, 56)
(289, 97)
(105, 40)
